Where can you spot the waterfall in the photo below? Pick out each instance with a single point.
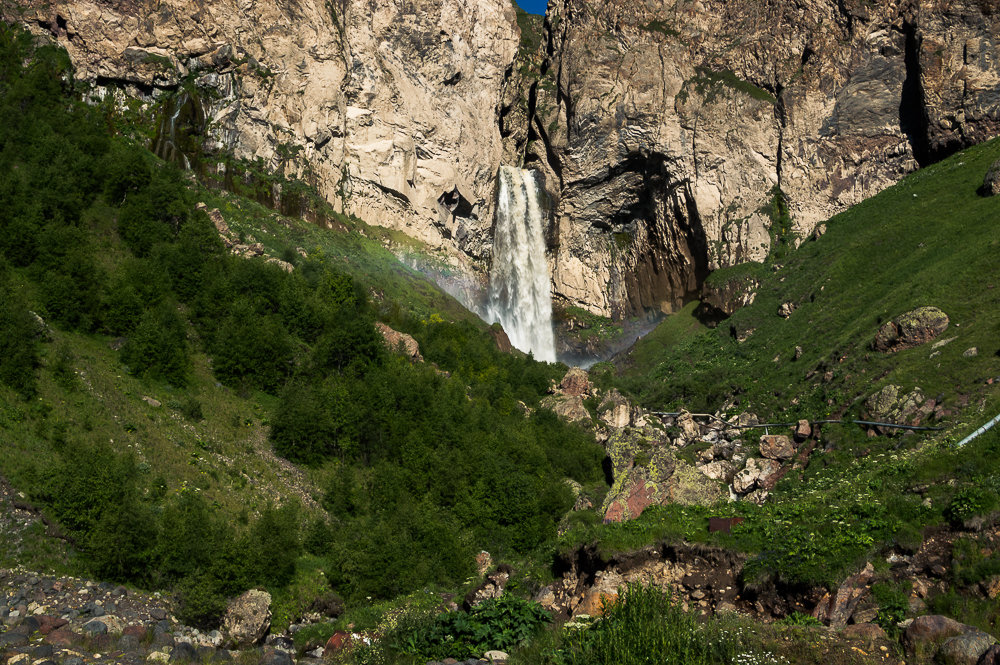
(520, 295)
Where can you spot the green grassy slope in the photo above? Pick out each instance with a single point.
(929, 240)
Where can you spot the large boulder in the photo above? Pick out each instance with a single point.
(755, 474)
(926, 632)
(991, 184)
(614, 410)
(247, 618)
(892, 405)
(576, 382)
(568, 407)
(776, 447)
(967, 648)
(911, 329)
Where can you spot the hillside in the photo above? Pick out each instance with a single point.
(201, 420)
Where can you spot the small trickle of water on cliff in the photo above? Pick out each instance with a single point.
(520, 294)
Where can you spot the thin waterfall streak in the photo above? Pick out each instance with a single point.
(520, 295)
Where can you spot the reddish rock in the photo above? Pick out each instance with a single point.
(803, 430)
(337, 643)
(139, 632)
(63, 637)
(631, 504)
(501, 339)
(776, 447)
(46, 624)
(594, 603)
(576, 383)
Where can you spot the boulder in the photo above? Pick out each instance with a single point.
(501, 339)
(803, 430)
(991, 657)
(49, 623)
(720, 470)
(276, 657)
(614, 410)
(247, 618)
(576, 382)
(991, 183)
(892, 405)
(594, 603)
(63, 637)
(869, 633)
(929, 630)
(755, 473)
(912, 329)
(95, 627)
(284, 265)
(786, 309)
(496, 656)
(689, 428)
(568, 407)
(339, 641)
(184, 652)
(967, 648)
(776, 447)
(397, 341)
(836, 609)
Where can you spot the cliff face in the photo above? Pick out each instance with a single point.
(672, 132)
(390, 107)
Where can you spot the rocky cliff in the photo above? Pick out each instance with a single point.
(678, 137)
(674, 137)
(389, 109)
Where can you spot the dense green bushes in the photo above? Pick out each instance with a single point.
(128, 534)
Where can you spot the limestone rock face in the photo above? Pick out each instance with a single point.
(672, 137)
(390, 109)
(666, 130)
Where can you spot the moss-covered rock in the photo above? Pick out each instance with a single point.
(912, 329)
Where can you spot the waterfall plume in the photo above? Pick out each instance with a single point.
(520, 294)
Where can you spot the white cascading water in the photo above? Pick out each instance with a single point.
(520, 295)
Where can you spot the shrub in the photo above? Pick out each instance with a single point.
(502, 624)
(18, 345)
(158, 346)
(968, 503)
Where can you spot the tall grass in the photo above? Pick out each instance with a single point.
(644, 626)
